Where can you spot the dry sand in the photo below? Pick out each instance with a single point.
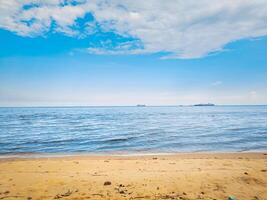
(180, 176)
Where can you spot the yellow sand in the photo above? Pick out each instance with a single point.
(180, 176)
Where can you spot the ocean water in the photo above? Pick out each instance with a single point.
(133, 129)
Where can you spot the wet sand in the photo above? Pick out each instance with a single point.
(242, 176)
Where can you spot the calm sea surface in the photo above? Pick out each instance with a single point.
(133, 129)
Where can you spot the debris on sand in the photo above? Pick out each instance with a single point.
(68, 193)
(121, 189)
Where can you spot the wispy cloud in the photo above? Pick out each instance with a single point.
(253, 95)
(216, 83)
(182, 29)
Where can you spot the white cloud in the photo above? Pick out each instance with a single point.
(216, 83)
(180, 28)
(253, 95)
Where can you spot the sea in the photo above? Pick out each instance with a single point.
(132, 130)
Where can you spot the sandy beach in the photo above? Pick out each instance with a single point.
(180, 176)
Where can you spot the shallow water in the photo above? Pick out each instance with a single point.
(133, 129)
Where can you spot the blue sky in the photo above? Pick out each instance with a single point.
(123, 53)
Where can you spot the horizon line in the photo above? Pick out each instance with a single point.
(179, 105)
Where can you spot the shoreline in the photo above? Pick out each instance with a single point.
(128, 154)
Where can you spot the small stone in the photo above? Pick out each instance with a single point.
(107, 183)
(246, 173)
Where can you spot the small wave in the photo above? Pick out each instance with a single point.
(241, 129)
(117, 140)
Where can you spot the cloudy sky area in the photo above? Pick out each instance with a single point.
(124, 52)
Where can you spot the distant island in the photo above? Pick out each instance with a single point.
(205, 104)
(141, 105)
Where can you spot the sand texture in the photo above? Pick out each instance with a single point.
(180, 176)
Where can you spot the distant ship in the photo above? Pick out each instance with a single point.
(205, 104)
(141, 105)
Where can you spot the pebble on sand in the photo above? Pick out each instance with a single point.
(107, 183)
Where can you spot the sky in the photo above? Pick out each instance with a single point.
(124, 52)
